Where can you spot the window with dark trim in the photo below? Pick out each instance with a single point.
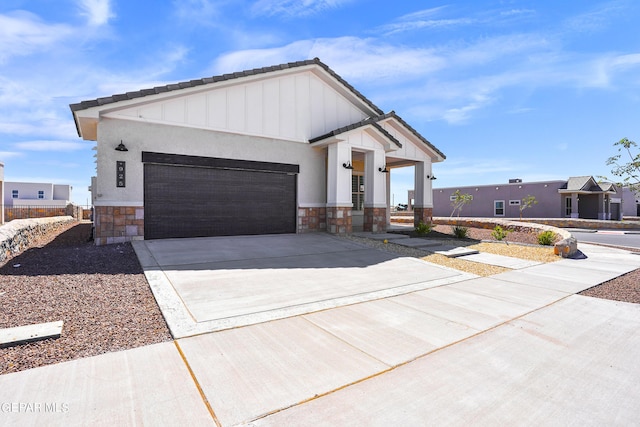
(14, 194)
(568, 206)
(357, 192)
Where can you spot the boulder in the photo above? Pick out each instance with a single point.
(566, 247)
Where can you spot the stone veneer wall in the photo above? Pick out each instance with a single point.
(339, 220)
(118, 224)
(375, 220)
(29, 212)
(17, 235)
(312, 219)
(422, 215)
(490, 223)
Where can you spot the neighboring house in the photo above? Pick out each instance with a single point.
(291, 148)
(36, 194)
(578, 197)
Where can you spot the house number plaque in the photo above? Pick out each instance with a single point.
(120, 174)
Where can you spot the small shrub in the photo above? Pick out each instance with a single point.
(460, 232)
(546, 238)
(499, 233)
(422, 228)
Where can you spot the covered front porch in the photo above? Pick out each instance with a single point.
(359, 160)
(583, 197)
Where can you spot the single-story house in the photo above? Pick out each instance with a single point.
(36, 194)
(577, 197)
(291, 148)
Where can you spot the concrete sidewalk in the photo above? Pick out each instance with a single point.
(514, 348)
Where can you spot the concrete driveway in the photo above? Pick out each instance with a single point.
(209, 284)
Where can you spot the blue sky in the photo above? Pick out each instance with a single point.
(506, 89)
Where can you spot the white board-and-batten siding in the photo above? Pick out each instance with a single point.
(291, 107)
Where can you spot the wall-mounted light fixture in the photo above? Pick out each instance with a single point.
(347, 165)
(384, 169)
(431, 177)
(121, 147)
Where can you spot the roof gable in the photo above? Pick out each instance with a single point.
(166, 103)
(220, 78)
(580, 183)
(384, 123)
(587, 184)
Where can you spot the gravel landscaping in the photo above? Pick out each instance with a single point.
(101, 293)
(625, 288)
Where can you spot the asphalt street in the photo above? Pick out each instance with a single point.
(629, 239)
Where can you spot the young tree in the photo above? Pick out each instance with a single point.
(460, 199)
(458, 202)
(527, 202)
(629, 172)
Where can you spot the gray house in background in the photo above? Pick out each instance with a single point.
(577, 197)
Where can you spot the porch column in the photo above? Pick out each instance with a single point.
(375, 192)
(575, 211)
(423, 195)
(604, 213)
(339, 202)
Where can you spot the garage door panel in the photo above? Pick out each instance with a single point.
(182, 201)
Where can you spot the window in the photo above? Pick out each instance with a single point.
(14, 194)
(514, 202)
(498, 208)
(40, 194)
(452, 198)
(567, 206)
(357, 192)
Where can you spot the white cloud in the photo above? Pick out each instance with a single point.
(97, 12)
(201, 12)
(4, 155)
(477, 170)
(44, 145)
(355, 59)
(595, 19)
(424, 19)
(522, 47)
(23, 33)
(433, 19)
(293, 8)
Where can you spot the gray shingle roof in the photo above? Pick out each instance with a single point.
(208, 80)
(578, 183)
(374, 122)
(588, 184)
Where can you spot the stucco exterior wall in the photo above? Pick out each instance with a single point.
(139, 137)
(630, 202)
(550, 202)
(295, 104)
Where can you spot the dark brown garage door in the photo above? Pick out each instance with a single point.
(216, 197)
